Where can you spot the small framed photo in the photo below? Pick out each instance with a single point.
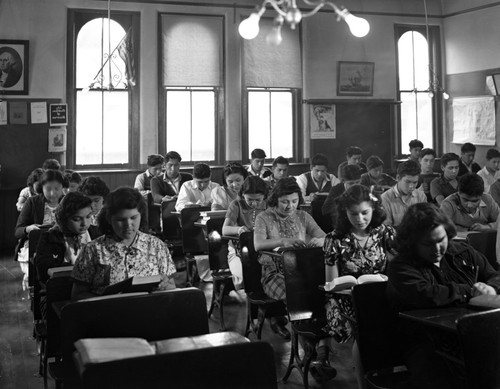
(355, 78)
(14, 67)
(496, 83)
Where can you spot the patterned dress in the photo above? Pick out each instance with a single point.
(299, 225)
(104, 261)
(353, 259)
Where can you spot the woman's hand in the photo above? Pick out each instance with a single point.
(479, 227)
(289, 242)
(166, 283)
(480, 288)
(31, 228)
(316, 242)
(243, 229)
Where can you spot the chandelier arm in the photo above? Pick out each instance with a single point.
(275, 5)
(313, 11)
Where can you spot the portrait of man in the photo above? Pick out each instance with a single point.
(10, 67)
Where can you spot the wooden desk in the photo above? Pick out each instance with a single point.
(438, 318)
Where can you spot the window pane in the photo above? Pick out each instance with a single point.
(115, 142)
(281, 124)
(259, 130)
(88, 128)
(413, 59)
(179, 122)
(203, 120)
(416, 119)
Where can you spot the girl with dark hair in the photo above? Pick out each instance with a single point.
(31, 188)
(234, 176)
(124, 251)
(359, 244)
(283, 225)
(240, 217)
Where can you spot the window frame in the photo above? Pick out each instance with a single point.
(77, 18)
(435, 59)
(297, 136)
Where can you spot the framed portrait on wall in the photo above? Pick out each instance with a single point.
(355, 78)
(14, 67)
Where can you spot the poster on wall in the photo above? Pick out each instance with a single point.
(18, 112)
(322, 121)
(58, 114)
(474, 120)
(3, 113)
(57, 139)
(39, 112)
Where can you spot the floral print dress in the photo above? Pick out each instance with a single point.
(354, 259)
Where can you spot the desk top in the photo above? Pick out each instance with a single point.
(444, 318)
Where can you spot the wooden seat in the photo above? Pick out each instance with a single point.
(153, 316)
(377, 343)
(222, 277)
(485, 243)
(479, 335)
(154, 217)
(304, 271)
(259, 305)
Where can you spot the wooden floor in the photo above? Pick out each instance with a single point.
(19, 359)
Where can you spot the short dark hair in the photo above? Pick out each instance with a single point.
(415, 143)
(374, 162)
(51, 163)
(94, 186)
(449, 157)
(34, 176)
(69, 205)
(351, 172)
(155, 159)
(201, 171)
(254, 185)
(492, 153)
(233, 168)
(357, 194)
(427, 151)
(52, 175)
(319, 160)
(281, 161)
(471, 184)
(72, 176)
(172, 155)
(408, 168)
(467, 148)
(353, 150)
(258, 153)
(284, 187)
(420, 219)
(121, 198)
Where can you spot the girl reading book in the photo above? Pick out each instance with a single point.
(359, 244)
(240, 217)
(234, 176)
(124, 251)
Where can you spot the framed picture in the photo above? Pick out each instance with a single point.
(496, 83)
(355, 78)
(322, 121)
(14, 67)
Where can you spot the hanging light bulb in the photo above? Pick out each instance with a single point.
(446, 96)
(249, 28)
(274, 37)
(293, 17)
(359, 27)
(431, 94)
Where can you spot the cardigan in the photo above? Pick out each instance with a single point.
(161, 188)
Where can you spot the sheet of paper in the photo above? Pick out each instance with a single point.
(474, 120)
(39, 112)
(3, 113)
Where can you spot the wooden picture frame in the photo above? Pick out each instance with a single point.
(355, 78)
(14, 67)
(496, 83)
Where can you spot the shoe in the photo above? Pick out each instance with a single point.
(322, 371)
(281, 330)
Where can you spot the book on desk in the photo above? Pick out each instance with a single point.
(205, 216)
(347, 282)
(133, 285)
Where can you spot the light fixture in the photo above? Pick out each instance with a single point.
(289, 12)
(434, 86)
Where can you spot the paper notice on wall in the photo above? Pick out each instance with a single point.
(39, 112)
(3, 113)
(474, 120)
(57, 139)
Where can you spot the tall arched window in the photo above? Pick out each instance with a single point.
(419, 108)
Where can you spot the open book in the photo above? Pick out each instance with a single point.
(133, 285)
(347, 282)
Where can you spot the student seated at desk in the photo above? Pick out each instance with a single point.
(359, 244)
(143, 180)
(32, 187)
(198, 191)
(353, 157)
(442, 187)
(240, 218)
(283, 225)
(124, 251)
(432, 270)
(256, 167)
(279, 171)
(416, 147)
(74, 180)
(318, 180)
(467, 164)
(491, 170)
(222, 196)
(471, 209)
(166, 186)
(427, 174)
(96, 190)
(376, 176)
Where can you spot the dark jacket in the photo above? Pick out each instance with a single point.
(462, 169)
(414, 284)
(51, 249)
(32, 213)
(161, 188)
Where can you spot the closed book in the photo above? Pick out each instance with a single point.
(98, 350)
(134, 284)
(347, 282)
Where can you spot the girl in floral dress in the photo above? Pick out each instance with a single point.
(222, 196)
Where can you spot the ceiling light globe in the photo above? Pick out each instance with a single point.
(359, 27)
(249, 28)
(293, 16)
(446, 96)
(274, 37)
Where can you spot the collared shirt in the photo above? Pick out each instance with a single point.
(303, 182)
(441, 186)
(488, 178)
(396, 206)
(190, 194)
(174, 184)
(264, 172)
(486, 213)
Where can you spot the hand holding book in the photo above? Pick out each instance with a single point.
(347, 282)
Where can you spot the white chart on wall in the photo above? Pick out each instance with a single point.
(474, 120)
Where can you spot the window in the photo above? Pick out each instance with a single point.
(191, 82)
(270, 121)
(101, 95)
(419, 109)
